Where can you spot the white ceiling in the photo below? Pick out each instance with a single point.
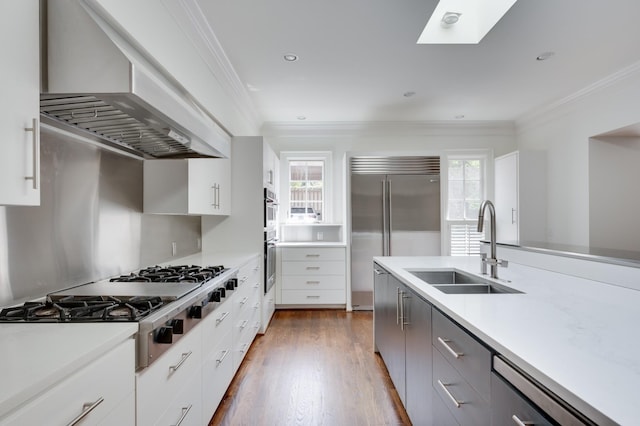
(358, 57)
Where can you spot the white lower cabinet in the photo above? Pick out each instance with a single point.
(102, 392)
(160, 385)
(246, 311)
(313, 276)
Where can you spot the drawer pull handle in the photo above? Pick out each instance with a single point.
(378, 272)
(36, 151)
(244, 348)
(314, 268)
(313, 297)
(312, 255)
(313, 282)
(86, 409)
(185, 411)
(256, 306)
(453, 399)
(244, 300)
(182, 360)
(222, 317)
(244, 324)
(219, 360)
(520, 422)
(444, 343)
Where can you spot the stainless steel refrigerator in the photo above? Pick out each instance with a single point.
(395, 211)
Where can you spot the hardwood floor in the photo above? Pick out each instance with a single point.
(313, 367)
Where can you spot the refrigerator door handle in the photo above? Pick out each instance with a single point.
(390, 206)
(385, 235)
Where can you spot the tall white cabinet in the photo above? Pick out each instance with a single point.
(520, 197)
(20, 103)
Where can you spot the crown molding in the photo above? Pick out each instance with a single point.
(558, 108)
(218, 62)
(384, 128)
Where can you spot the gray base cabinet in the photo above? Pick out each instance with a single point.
(402, 332)
(509, 406)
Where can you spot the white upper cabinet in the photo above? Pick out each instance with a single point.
(20, 103)
(198, 186)
(520, 197)
(270, 165)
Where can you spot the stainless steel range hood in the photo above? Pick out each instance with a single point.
(95, 83)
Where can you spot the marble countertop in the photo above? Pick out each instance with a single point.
(35, 357)
(575, 336)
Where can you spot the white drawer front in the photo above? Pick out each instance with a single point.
(313, 268)
(217, 373)
(311, 253)
(112, 378)
(310, 297)
(185, 408)
(216, 325)
(322, 282)
(170, 372)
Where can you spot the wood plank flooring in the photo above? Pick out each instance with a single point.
(313, 367)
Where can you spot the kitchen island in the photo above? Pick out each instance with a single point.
(572, 335)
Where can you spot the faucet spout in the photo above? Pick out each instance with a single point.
(492, 261)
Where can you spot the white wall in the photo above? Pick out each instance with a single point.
(614, 174)
(563, 131)
(386, 139)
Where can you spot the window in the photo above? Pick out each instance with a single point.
(465, 193)
(306, 187)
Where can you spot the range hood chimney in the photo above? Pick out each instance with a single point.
(97, 85)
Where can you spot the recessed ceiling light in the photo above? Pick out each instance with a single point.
(544, 56)
(450, 18)
(301, 117)
(408, 94)
(290, 57)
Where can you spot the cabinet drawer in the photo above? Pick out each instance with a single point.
(473, 361)
(170, 372)
(313, 268)
(311, 253)
(301, 282)
(507, 402)
(185, 408)
(215, 326)
(441, 414)
(448, 384)
(111, 377)
(217, 373)
(311, 297)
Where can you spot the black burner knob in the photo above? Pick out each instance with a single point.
(229, 285)
(164, 335)
(195, 312)
(234, 281)
(215, 296)
(177, 325)
(223, 292)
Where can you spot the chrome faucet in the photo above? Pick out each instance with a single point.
(492, 261)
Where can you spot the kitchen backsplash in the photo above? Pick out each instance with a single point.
(89, 225)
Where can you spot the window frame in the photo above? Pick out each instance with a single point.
(485, 156)
(286, 157)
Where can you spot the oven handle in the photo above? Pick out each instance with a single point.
(86, 409)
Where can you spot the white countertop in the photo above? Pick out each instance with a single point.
(577, 337)
(36, 356)
(311, 244)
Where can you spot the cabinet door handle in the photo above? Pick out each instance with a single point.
(244, 324)
(185, 411)
(222, 317)
(404, 318)
(312, 255)
(397, 305)
(519, 422)
(313, 282)
(182, 360)
(86, 409)
(445, 343)
(219, 360)
(244, 300)
(313, 268)
(218, 197)
(513, 220)
(313, 297)
(453, 399)
(36, 151)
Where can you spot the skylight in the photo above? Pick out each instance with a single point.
(463, 21)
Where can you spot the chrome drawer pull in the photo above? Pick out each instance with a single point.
(244, 324)
(444, 388)
(36, 151)
(314, 268)
(244, 300)
(257, 305)
(313, 282)
(444, 343)
(312, 255)
(185, 411)
(377, 271)
(244, 347)
(219, 360)
(86, 409)
(222, 317)
(182, 360)
(313, 297)
(520, 422)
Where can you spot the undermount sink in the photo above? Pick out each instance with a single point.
(452, 281)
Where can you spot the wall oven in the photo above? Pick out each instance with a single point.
(269, 259)
(270, 209)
